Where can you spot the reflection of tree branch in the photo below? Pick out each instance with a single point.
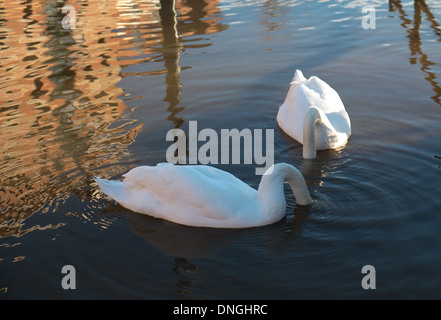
(413, 33)
(398, 7)
(430, 17)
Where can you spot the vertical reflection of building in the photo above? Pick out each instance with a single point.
(164, 39)
(415, 43)
(61, 113)
(171, 50)
(58, 99)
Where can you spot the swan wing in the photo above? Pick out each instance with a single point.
(317, 92)
(202, 190)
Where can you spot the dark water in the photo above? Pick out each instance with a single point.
(99, 100)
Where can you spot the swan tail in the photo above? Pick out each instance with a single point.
(298, 77)
(130, 196)
(111, 188)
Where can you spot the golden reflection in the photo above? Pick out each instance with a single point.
(17, 259)
(181, 241)
(415, 43)
(63, 117)
(58, 98)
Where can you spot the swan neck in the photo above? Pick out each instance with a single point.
(311, 118)
(271, 193)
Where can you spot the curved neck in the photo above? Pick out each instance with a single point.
(271, 194)
(311, 118)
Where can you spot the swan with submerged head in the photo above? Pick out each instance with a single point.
(314, 115)
(204, 196)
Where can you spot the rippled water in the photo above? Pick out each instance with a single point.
(99, 100)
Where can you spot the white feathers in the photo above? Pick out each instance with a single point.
(204, 196)
(314, 115)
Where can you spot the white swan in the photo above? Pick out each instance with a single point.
(204, 196)
(314, 115)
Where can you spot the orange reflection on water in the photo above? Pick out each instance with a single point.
(62, 114)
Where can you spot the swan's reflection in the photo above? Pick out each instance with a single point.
(326, 163)
(185, 243)
(181, 241)
(313, 170)
(177, 240)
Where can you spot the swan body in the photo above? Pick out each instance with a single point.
(205, 196)
(314, 115)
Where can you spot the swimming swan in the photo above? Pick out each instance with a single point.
(205, 196)
(314, 115)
